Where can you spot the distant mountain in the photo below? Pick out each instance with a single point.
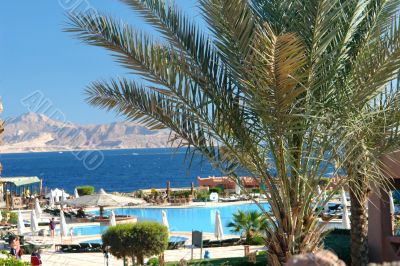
(32, 132)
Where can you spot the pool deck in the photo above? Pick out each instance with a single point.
(50, 257)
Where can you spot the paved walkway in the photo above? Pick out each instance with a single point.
(50, 257)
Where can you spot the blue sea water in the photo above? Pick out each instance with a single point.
(113, 170)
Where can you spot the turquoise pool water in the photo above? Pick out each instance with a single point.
(171, 239)
(179, 219)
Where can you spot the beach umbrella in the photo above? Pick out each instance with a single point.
(391, 202)
(38, 210)
(113, 222)
(319, 190)
(63, 198)
(102, 199)
(164, 219)
(237, 189)
(51, 201)
(76, 193)
(63, 225)
(218, 231)
(20, 224)
(345, 214)
(34, 222)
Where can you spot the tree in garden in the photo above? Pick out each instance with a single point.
(276, 89)
(248, 223)
(119, 240)
(151, 239)
(139, 240)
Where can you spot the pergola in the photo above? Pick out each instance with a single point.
(383, 244)
(16, 186)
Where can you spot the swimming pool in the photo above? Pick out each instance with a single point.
(179, 219)
(171, 239)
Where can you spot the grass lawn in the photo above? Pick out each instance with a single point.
(261, 261)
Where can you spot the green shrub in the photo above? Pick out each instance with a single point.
(13, 217)
(202, 195)
(12, 262)
(139, 240)
(181, 193)
(255, 190)
(153, 261)
(256, 240)
(85, 190)
(218, 190)
(338, 241)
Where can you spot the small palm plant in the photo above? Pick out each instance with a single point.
(248, 223)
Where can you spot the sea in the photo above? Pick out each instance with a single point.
(113, 170)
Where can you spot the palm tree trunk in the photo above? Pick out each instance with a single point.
(359, 223)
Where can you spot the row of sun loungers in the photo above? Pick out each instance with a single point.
(221, 243)
(81, 247)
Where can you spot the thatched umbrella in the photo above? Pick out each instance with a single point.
(102, 199)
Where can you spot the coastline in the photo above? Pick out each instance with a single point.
(5, 152)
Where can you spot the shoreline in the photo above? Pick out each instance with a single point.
(80, 150)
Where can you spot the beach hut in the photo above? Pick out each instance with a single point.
(57, 195)
(102, 199)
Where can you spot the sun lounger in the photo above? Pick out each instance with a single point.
(180, 244)
(214, 243)
(172, 245)
(230, 242)
(96, 247)
(206, 242)
(85, 247)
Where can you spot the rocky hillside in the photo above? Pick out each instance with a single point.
(35, 132)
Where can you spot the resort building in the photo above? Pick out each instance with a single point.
(226, 182)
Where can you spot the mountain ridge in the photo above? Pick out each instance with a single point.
(33, 132)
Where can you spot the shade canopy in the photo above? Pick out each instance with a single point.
(102, 199)
(20, 180)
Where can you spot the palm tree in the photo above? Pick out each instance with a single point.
(272, 90)
(248, 223)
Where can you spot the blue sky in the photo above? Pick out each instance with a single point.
(35, 55)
